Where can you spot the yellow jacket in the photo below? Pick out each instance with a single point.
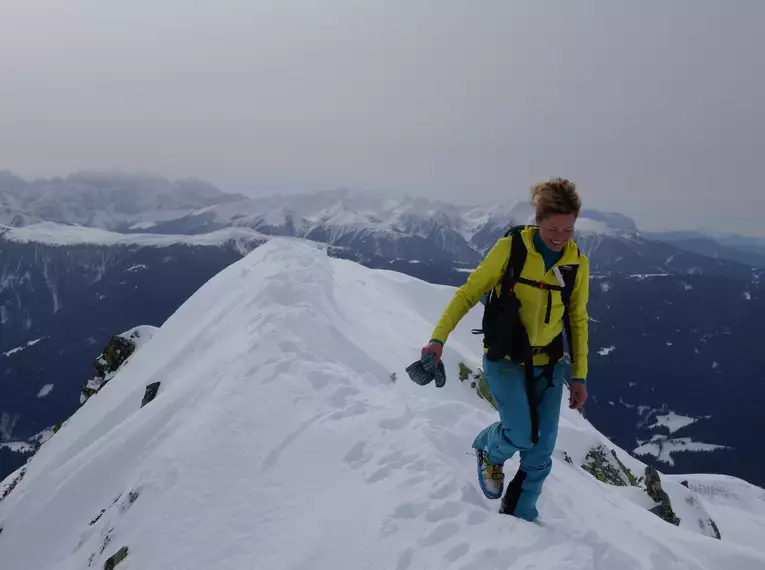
(533, 300)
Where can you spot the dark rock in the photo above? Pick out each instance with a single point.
(13, 484)
(116, 558)
(117, 351)
(151, 393)
(718, 536)
(606, 467)
(654, 489)
(95, 520)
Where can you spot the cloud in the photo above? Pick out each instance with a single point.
(652, 107)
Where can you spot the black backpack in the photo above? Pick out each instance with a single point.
(504, 333)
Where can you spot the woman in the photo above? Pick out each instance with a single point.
(529, 404)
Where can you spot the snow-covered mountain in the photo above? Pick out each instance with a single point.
(279, 439)
(749, 251)
(372, 224)
(407, 227)
(103, 200)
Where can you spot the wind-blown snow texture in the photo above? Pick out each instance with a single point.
(279, 440)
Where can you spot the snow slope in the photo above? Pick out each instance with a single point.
(280, 440)
(734, 504)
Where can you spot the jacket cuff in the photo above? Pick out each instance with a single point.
(436, 340)
(580, 380)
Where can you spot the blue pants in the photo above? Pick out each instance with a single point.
(507, 382)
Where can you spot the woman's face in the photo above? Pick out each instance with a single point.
(556, 230)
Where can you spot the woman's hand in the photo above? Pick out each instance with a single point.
(578, 395)
(435, 348)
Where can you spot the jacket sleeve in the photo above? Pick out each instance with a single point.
(488, 273)
(579, 319)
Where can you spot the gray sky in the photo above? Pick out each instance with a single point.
(655, 108)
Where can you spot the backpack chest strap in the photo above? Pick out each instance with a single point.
(545, 287)
(540, 284)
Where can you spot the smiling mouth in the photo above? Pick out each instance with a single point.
(557, 242)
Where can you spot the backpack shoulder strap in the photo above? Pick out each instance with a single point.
(517, 259)
(570, 280)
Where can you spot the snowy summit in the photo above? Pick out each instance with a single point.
(279, 439)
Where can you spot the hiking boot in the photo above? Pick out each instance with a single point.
(490, 476)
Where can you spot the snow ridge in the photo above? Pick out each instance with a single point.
(278, 417)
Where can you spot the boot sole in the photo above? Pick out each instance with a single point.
(488, 494)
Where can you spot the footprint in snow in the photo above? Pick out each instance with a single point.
(457, 552)
(405, 560)
(394, 462)
(410, 510)
(358, 456)
(444, 490)
(448, 510)
(340, 395)
(443, 531)
(399, 422)
(476, 517)
(356, 409)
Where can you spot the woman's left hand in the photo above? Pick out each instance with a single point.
(578, 395)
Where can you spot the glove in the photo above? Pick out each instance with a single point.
(425, 370)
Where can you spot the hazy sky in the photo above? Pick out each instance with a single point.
(656, 108)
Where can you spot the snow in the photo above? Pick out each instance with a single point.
(23, 347)
(43, 436)
(140, 335)
(136, 267)
(644, 276)
(143, 225)
(747, 295)
(45, 390)
(605, 287)
(733, 504)
(18, 446)
(51, 233)
(672, 421)
(606, 351)
(662, 448)
(277, 440)
(29, 445)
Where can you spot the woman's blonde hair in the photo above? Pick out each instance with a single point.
(555, 196)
